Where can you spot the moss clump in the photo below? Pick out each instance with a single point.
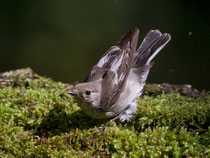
(39, 119)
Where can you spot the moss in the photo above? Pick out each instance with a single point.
(39, 119)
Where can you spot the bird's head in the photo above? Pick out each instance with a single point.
(88, 92)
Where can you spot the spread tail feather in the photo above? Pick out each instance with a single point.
(151, 45)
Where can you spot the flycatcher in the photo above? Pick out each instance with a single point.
(116, 81)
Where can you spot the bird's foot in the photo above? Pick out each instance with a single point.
(105, 126)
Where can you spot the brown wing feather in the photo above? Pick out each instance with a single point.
(104, 64)
(112, 54)
(114, 81)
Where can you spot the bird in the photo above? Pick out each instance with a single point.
(114, 84)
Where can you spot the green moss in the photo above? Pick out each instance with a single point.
(153, 88)
(39, 119)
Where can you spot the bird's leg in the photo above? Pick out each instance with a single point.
(105, 126)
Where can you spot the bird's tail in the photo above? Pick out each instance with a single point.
(151, 45)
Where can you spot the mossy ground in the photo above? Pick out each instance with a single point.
(39, 119)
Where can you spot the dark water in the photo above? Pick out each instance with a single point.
(64, 39)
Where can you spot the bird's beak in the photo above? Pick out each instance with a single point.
(73, 93)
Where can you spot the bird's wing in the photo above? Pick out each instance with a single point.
(117, 63)
(114, 54)
(150, 47)
(104, 64)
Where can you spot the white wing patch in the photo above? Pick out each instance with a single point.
(104, 59)
(122, 75)
(116, 64)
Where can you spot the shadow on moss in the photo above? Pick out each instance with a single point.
(58, 121)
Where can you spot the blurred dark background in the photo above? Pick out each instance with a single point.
(64, 39)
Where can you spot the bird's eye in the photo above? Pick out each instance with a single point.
(87, 92)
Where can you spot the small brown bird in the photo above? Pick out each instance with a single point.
(116, 81)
